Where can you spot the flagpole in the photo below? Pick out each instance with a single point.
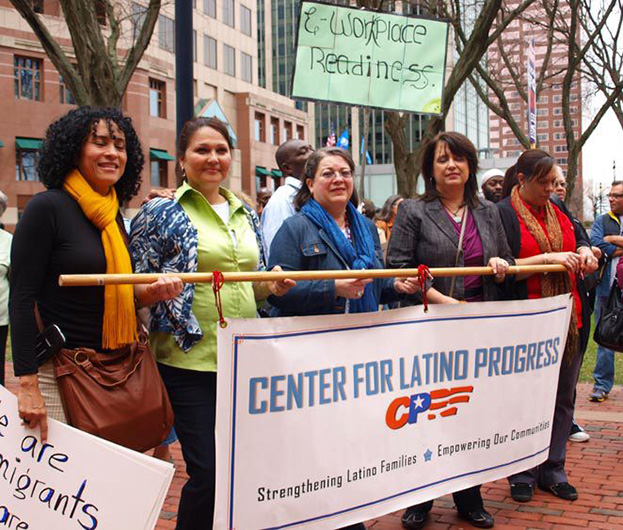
(83, 280)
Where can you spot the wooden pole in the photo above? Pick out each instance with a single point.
(82, 280)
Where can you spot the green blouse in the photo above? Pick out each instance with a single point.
(226, 248)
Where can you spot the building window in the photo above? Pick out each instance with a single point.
(27, 158)
(228, 12)
(156, 98)
(542, 124)
(66, 96)
(166, 33)
(557, 98)
(561, 161)
(260, 132)
(557, 123)
(300, 132)
(194, 46)
(560, 149)
(542, 99)
(543, 112)
(158, 173)
(274, 131)
(209, 8)
(245, 20)
(286, 133)
(139, 13)
(158, 167)
(209, 52)
(229, 60)
(27, 76)
(542, 137)
(247, 67)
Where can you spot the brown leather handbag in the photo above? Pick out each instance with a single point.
(118, 396)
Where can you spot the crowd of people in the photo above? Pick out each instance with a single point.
(91, 164)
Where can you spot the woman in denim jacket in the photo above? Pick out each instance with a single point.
(329, 234)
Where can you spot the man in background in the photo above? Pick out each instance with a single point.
(263, 196)
(606, 234)
(491, 185)
(291, 157)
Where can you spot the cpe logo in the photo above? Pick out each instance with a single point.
(443, 401)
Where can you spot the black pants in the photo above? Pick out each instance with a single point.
(466, 501)
(4, 330)
(193, 397)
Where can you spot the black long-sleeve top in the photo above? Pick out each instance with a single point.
(54, 237)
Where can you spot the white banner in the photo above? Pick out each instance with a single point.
(75, 480)
(327, 421)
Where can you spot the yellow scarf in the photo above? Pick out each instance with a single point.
(119, 326)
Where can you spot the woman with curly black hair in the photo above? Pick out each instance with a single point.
(91, 162)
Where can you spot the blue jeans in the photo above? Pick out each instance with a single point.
(193, 398)
(604, 365)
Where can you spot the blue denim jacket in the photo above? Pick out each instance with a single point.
(301, 245)
(607, 224)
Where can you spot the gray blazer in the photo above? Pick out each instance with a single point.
(423, 234)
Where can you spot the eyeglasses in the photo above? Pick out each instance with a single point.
(615, 195)
(328, 174)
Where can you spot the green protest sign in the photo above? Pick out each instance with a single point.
(372, 59)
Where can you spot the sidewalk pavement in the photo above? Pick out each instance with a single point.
(595, 468)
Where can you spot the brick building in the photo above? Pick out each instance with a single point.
(32, 94)
(550, 127)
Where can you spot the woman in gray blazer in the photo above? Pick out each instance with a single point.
(427, 231)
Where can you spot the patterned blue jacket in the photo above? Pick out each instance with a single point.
(163, 239)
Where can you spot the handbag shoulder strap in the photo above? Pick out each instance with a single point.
(459, 250)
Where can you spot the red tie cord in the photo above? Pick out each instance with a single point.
(217, 283)
(423, 275)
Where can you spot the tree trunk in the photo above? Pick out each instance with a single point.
(102, 73)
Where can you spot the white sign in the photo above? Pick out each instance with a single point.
(75, 480)
(327, 421)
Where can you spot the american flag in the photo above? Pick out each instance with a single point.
(331, 139)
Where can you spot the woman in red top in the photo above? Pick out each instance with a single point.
(539, 233)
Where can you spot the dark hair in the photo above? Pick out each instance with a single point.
(510, 179)
(534, 164)
(368, 209)
(386, 212)
(311, 166)
(64, 141)
(190, 128)
(459, 145)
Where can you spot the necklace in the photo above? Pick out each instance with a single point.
(455, 214)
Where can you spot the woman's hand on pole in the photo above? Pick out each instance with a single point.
(500, 268)
(407, 285)
(571, 260)
(588, 261)
(351, 289)
(31, 405)
(280, 287)
(164, 288)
